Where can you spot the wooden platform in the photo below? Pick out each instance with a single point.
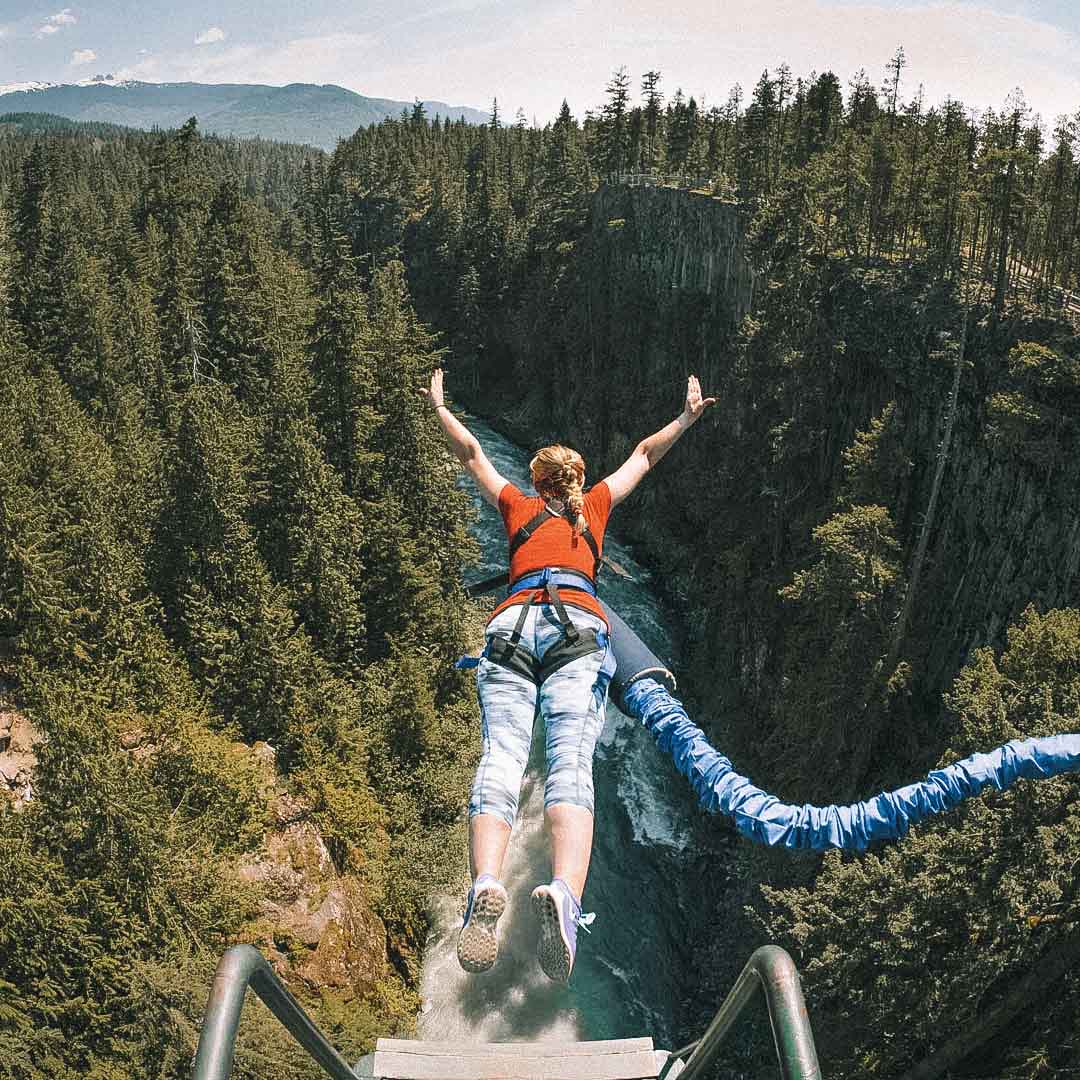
(608, 1059)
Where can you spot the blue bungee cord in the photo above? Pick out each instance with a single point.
(763, 818)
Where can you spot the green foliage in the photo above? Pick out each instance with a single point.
(1044, 367)
(843, 608)
(312, 537)
(1035, 416)
(73, 592)
(927, 935)
(191, 554)
(202, 773)
(99, 873)
(857, 565)
(875, 464)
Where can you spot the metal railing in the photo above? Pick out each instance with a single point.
(679, 180)
(773, 970)
(243, 966)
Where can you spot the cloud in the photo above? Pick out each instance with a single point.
(83, 56)
(53, 23)
(330, 58)
(973, 51)
(211, 35)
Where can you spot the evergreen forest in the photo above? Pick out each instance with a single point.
(231, 542)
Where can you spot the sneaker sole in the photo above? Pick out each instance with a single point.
(552, 950)
(478, 945)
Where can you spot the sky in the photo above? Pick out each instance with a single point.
(530, 54)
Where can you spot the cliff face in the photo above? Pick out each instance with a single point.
(676, 241)
(1007, 535)
(834, 392)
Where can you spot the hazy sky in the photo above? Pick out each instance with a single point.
(533, 53)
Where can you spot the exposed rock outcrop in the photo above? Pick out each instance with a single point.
(315, 923)
(678, 240)
(17, 759)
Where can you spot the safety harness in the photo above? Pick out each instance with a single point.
(478, 588)
(575, 642)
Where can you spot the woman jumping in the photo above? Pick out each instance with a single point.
(537, 656)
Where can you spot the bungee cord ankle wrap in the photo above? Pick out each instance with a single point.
(763, 818)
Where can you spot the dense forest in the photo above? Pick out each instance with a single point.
(230, 541)
(229, 564)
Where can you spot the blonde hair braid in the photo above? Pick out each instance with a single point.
(559, 473)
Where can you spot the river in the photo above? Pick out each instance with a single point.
(630, 972)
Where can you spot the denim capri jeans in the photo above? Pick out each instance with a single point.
(571, 700)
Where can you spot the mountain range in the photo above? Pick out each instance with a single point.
(297, 113)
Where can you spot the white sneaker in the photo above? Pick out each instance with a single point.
(478, 945)
(559, 915)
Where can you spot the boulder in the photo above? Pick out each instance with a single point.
(351, 953)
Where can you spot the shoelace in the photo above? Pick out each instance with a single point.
(585, 921)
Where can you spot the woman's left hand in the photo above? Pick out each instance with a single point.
(695, 403)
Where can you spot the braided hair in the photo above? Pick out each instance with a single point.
(559, 473)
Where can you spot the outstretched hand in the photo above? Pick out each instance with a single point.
(695, 403)
(434, 393)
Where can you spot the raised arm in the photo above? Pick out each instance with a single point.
(464, 444)
(649, 451)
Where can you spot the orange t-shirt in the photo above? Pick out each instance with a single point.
(554, 543)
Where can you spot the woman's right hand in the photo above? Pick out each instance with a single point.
(434, 393)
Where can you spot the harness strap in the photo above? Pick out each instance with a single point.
(478, 588)
(564, 651)
(593, 547)
(569, 629)
(529, 528)
(510, 653)
(568, 579)
(515, 637)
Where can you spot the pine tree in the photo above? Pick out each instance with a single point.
(613, 144)
(420, 512)
(343, 370)
(238, 343)
(757, 149)
(891, 89)
(311, 535)
(654, 101)
(234, 624)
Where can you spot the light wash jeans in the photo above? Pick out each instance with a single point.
(572, 701)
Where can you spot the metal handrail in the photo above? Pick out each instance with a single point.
(243, 966)
(774, 971)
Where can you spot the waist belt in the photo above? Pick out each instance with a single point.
(552, 575)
